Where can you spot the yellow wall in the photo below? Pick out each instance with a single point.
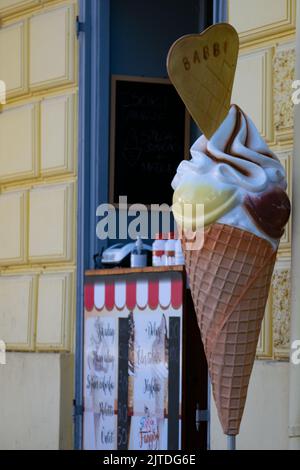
(38, 163)
(38, 184)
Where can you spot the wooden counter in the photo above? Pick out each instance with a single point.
(121, 271)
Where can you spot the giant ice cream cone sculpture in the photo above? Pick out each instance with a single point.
(241, 186)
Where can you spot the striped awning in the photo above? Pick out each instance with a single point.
(130, 292)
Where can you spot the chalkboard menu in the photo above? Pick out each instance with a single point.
(149, 138)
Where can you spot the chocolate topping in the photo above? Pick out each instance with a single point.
(270, 211)
(228, 148)
(235, 130)
(242, 162)
(243, 171)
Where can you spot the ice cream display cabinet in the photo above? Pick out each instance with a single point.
(145, 374)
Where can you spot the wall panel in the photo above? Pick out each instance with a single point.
(13, 61)
(54, 305)
(13, 232)
(285, 158)
(11, 6)
(18, 143)
(252, 89)
(51, 210)
(259, 18)
(38, 181)
(17, 311)
(51, 45)
(57, 134)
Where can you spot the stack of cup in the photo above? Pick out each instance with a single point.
(166, 250)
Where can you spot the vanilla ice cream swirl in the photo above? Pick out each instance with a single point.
(237, 178)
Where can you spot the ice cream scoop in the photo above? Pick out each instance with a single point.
(237, 178)
(192, 193)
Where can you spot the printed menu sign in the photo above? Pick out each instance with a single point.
(149, 381)
(129, 354)
(100, 379)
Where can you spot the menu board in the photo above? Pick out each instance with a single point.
(132, 366)
(149, 138)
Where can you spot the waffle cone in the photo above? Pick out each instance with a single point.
(230, 278)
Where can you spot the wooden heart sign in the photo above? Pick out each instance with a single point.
(202, 68)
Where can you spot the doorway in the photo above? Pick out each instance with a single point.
(120, 37)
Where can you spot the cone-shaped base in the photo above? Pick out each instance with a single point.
(230, 279)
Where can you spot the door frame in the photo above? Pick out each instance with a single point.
(93, 145)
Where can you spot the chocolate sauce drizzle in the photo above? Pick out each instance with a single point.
(269, 210)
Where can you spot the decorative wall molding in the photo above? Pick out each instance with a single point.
(284, 74)
(13, 60)
(19, 143)
(273, 341)
(286, 159)
(52, 56)
(281, 284)
(54, 308)
(58, 127)
(18, 311)
(8, 6)
(51, 219)
(52, 118)
(37, 58)
(264, 347)
(13, 235)
(259, 20)
(38, 173)
(252, 88)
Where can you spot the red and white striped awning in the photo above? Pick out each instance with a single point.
(127, 292)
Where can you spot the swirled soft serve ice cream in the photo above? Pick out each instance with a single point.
(242, 186)
(237, 178)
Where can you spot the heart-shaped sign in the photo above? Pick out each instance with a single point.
(202, 68)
